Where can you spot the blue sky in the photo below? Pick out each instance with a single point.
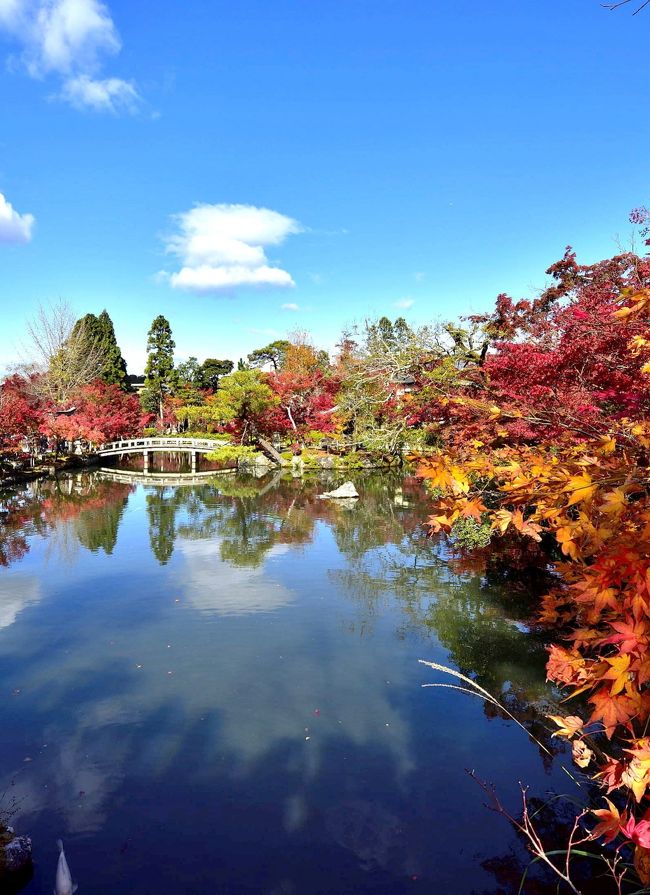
(423, 151)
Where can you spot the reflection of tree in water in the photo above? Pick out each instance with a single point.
(97, 528)
(483, 628)
(250, 516)
(391, 508)
(163, 505)
(80, 508)
(246, 516)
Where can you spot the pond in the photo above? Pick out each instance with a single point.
(215, 688)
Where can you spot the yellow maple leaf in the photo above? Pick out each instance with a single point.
(607, 444)
(580, 488)
(618, 672)
(614, 502)
(568, 727)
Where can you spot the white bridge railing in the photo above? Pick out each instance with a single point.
(133, 445)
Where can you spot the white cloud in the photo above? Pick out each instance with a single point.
(405, 303)
(70, 38)
(14, 227)
(212, 279)
(223, 246)
(108, 95)
(418, 276)
(290, 306)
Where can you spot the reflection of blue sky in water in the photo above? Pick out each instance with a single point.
(248, 709)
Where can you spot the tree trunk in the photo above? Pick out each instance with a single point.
(288, 409)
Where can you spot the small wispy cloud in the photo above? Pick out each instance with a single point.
(14, 227)
(317, 278)
(222, 247)
(107, 95)
(418, 276)
(404, 303)
(70, 39)
(290, 306)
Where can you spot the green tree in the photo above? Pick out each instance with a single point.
(114, 365)
(189, 371)
(212, 370)
(273, 353)
(99, 333)
(159, 374)
(383, 336)
(189, 382)
(242, 400)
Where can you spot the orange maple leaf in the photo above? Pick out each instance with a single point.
(611, 710)
(609, 822)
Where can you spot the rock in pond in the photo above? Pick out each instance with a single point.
(15, 852)
(345, 492)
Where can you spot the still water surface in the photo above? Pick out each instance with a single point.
(216, 689)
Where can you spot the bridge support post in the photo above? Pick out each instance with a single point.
(145, 454)
(194, 453)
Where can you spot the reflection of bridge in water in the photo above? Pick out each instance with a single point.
(163, 478)
(147, 446)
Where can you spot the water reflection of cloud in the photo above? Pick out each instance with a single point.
(249, 694)
(75, 769)
(216, 587)
(16, 592)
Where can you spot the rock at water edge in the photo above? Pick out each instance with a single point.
(346, 491)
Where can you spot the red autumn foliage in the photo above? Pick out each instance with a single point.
(306, 397)
(101, 413)
(20, 414)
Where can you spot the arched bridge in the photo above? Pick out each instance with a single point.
(146, 446)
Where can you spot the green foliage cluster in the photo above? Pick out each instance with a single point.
(212, 370)
(317, 438)
(100, 334)
(470, 534)
(198, 433)
(242, 397)
(351, 460)
(273, 353)
(232, 452)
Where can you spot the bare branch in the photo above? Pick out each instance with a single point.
(613, 6)
(61, 355)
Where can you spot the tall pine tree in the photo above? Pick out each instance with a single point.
(159, 374)
(114, 368)
(100, 333)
